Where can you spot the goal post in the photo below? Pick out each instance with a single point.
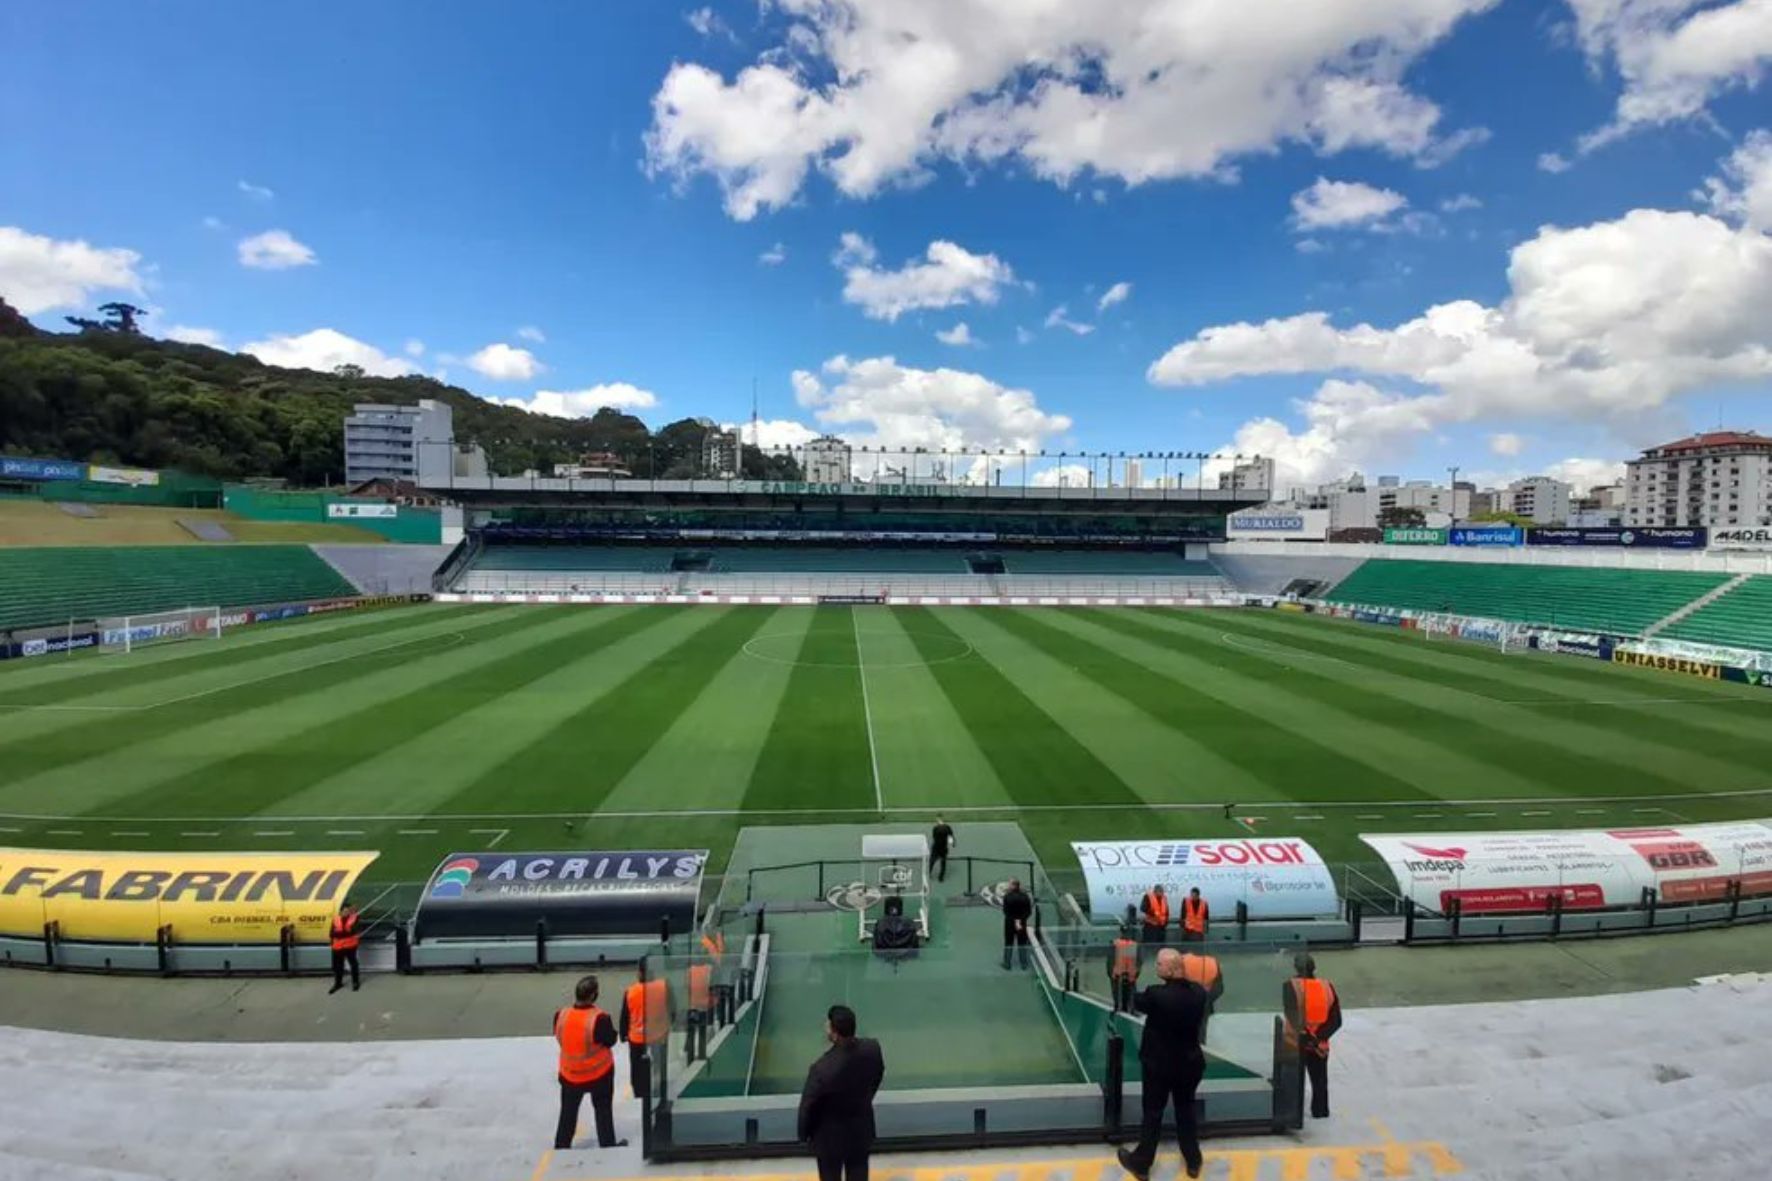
(126, 633)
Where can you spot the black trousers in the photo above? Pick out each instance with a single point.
(602, 1093)
(339, 960)
(1015, 938)
(1316, 1068)
(1123, 988)
(939, 858)
(1161, 1089)
(639, 1070)
(1154, 934)
(1188, 936)
(842, 1153)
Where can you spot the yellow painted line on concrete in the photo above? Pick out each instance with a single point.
(1402, 1159)
(541, 1166)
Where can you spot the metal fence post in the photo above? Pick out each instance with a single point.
(541, 944)
(286, 948)
(402, 949)
(1113, 1085)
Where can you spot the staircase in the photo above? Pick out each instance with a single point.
(1703, 600)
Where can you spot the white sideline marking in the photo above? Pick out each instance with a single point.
(867, 712)
(1535, 813)
(11, 830)
(1307, 818)
(1370, 816)
(500, 834)
(1473, 814)
(132, 834)
(1590, 811)
(62, 832)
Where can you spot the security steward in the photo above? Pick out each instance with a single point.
(1170, 1057)
(586, 1038)
(1018, 912)
(1123, 969)
(837, 1103)
(1313, 1015)
(941, 842)
(346, 935)
(1153, 908)
(1205, 971)
(701, 1007)
(646, 1019)
(1195, 916)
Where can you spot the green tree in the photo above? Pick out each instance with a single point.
(1401, 517)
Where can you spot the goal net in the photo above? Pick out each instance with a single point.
(128, 632)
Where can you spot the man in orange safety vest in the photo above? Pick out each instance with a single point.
(345, 938)
(646, 1017)
(586, 1038)
(1154, 909)
(1313, 1015)
(1195, 915)
(1123, 969)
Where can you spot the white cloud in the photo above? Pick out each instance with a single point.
(1058, 317)
(1586, 474)
(773, 433)
(256, 192)
(531, 333)
(1309, 246)
(774, 256)
(1744, 192)
(1338, 205)
(708, 23)
(39, 273)
(1023, 336)
(871, 93)
(1506, 444)
(1460, 203)
(1673, 56)
(185, 334)
(1553, 162)
(1062, 475)
(878, 402)
(213, 222)
(274, 250)
(325, 349)
(415, 348)
(950, 276)
(959, 335)
(616, 395)
(1119, 293)
(503, 362)
(1605, 323)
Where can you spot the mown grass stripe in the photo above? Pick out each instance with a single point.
(273, 771)
(816, 754)
(1445, 752)
(1629, 735)
(124, 752)
(1271, 745)
(1037, 759)
(574, 767)
(115, 672)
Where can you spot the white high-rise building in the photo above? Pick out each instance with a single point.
(829, 460)
(1721, 479)
(1540, 499)
(414, 443)
(1255, 476)
(1134, 474)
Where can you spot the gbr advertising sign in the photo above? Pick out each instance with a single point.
(1278, 877)
(1501, 872)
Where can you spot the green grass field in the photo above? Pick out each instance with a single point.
(430, 729)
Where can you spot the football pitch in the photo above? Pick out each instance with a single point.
(425, 730)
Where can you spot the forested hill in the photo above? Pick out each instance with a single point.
(108, 396)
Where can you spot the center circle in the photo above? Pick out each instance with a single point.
(789, 647)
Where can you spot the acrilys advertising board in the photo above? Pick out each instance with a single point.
(1277, 877)
(204, 897)
(1501, 872)
(613, 893)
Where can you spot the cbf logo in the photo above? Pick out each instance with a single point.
(853, 896)
(452, 879)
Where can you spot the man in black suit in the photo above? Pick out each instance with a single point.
(837, 1105)
(1018, 912)
(941, 840)
(1172, 1062)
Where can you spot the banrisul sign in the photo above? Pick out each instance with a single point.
(575, 893)
(1414, 536)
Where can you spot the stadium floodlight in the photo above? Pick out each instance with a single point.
(130, 632)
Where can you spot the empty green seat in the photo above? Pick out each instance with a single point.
(1740, 618)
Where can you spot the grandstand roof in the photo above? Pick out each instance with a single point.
(1746, 440)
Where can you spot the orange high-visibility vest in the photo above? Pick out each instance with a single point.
(1315, 998)
(649, 1012)
(1201, 969)
(344, 933)
(582, 1060)
(1193, 915)
(714, 945)
(1156, 910)
(701, 979)
(1125, 959)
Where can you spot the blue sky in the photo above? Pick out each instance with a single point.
(1552, 216)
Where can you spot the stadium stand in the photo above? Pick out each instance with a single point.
(1264, 575)
(1581, 598)
(45, 585)
(1740, 618)
(1139, 562)
(567, 559)
(386, 569)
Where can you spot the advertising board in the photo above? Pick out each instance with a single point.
(1486, 535)
(47, 643)
(1742, 539)
(501, 894)
(1414, 536)
(14, 467)
(337, 510)
(1277, 877)
(205, 897)
(1669, 664)
(1278, 524)
(134, 476)
(1501, 872)
(1574, 644)
(1636, 538)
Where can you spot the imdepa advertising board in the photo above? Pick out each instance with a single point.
(1277, 877)
(1501, 872)
(204, 897)
(500, 894)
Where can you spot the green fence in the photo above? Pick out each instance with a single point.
(423, 526)
(175, 490)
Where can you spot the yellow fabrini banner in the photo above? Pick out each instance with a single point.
(205, 897)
